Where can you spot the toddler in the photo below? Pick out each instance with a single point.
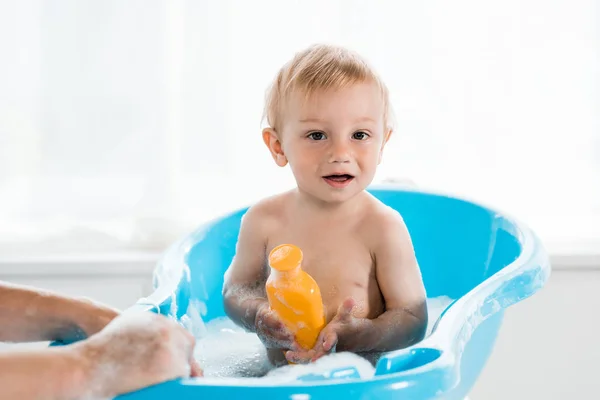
(328, 117)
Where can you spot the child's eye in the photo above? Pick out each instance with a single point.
(360, 135)
(316, 135)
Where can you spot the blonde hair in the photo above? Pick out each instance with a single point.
(320, 67)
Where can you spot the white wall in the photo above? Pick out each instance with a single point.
(117, 281)
(548, 346)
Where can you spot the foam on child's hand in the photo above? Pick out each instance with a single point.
(225, 350)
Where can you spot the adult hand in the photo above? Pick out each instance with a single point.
(134, 351)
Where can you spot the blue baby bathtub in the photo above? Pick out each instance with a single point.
(483, 258)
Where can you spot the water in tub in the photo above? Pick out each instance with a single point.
(225, 350)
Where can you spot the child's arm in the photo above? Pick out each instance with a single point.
(404, 321)
(244, 293)
(244, 286)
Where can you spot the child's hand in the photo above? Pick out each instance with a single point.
(272, 331)
(340, 326)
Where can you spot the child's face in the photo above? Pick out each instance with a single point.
(334, 140)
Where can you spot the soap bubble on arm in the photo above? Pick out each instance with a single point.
(244, 281)
(272, 331)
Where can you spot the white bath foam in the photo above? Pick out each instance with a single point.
(330, 362)
(225, 350)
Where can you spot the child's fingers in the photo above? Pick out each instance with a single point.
(288, 343)
(300, 357)
(329, 341)
(274, 331)
(272, 325)
(291, 356)
(318, 355)
(271, 320)
(344, 312)
(294, 346)
(283, 333)
(275, 326)
(282, 338)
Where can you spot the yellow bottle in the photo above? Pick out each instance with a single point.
(294, 295)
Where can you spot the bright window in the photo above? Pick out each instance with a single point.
(124, 124)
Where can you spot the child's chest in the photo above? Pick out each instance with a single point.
(326, 251)
(339, 261)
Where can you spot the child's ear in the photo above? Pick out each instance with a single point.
(385, 140)
(272, 141)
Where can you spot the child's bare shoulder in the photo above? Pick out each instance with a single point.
(384, 225)
(266, 211)
(256, 226)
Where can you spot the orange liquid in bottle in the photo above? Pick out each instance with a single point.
(294, 295)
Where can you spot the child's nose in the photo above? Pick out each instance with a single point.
(339, 152)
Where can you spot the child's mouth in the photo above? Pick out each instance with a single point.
(338, 180)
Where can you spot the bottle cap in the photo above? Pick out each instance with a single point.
(285, 257)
